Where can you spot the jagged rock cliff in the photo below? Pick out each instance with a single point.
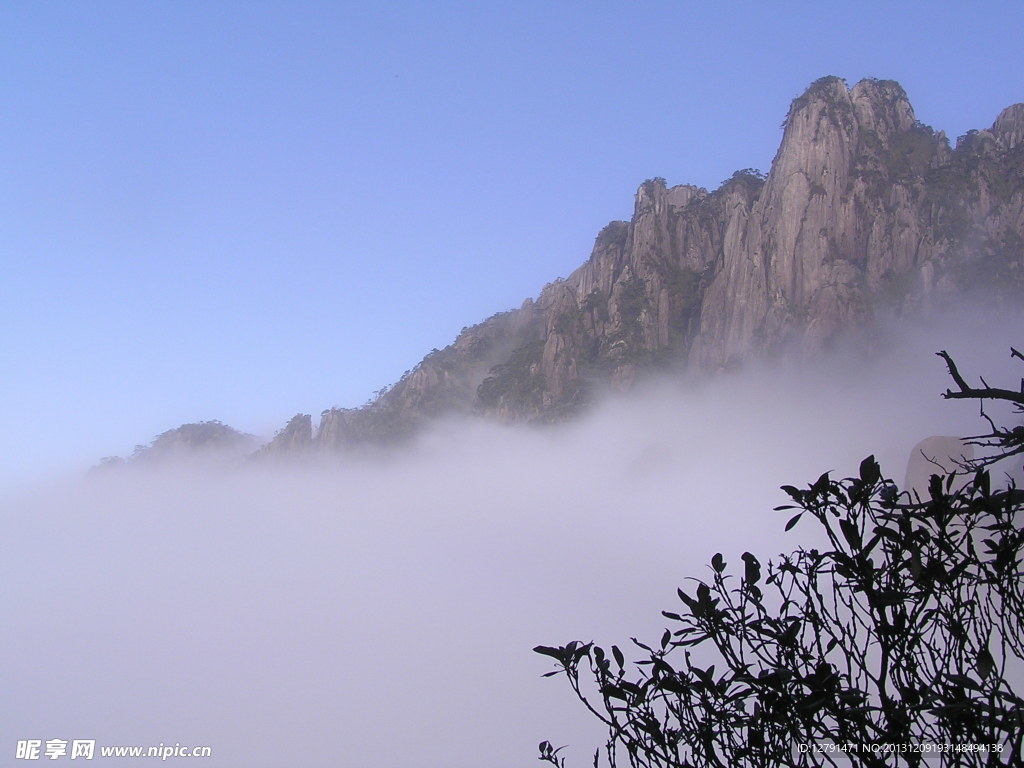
(864, 211)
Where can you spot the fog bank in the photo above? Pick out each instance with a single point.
(372, 612)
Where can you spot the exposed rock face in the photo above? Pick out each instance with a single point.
(865, 211)
(295, 438)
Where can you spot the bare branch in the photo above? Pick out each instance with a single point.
(972, 393)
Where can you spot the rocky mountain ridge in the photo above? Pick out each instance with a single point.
(199, 440)
(864, 211)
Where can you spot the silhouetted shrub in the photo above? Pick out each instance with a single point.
(900, 636)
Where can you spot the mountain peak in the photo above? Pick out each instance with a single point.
(882, 106)
(864, 213)
(872, 104)
(1009, 127)
(204, 438)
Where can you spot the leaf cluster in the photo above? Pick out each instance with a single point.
(904, 628)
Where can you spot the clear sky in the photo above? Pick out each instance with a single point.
(244, 210)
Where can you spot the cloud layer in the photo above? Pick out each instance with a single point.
(381, 612)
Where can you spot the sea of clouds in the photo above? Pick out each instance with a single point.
(381, 611)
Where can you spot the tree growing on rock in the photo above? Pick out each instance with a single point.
(895, 644)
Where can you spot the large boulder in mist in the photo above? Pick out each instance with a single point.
(937, 455)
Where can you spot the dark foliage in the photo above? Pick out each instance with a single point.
(901, 636)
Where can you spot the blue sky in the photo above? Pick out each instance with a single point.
(244, 210)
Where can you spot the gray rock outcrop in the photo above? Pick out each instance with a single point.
(864, 213)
